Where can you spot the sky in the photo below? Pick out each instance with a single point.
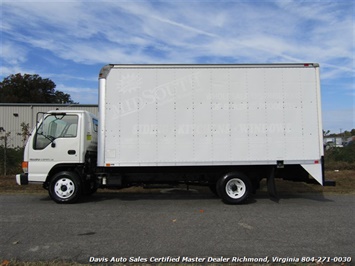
(70, 41)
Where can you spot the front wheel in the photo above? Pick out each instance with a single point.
(65, 187)
(234, 188)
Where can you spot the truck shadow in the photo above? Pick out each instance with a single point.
(284, 196)
(131, 197)
(287, 191)
(151, 194)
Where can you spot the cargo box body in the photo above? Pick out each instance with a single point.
(210, 115)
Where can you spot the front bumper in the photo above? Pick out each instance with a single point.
(22, 179)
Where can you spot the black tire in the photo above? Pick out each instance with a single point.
(65, 187)
(234, 188)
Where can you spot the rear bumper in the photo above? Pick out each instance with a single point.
(22, 179)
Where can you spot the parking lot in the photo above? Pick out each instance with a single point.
(175, 223)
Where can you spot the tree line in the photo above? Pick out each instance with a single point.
(27, 88)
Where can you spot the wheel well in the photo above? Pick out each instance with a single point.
(63, 167)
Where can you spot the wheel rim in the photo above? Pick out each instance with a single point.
(64, 188)
(235, 188)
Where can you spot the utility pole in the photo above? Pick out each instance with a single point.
(5, 143)
(5, 155)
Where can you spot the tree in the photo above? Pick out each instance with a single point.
(326, 133)
(5, 138)
(25, 132)
(28, 88)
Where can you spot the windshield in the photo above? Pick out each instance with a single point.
(55, 126)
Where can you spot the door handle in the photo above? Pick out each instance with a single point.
(71, 152)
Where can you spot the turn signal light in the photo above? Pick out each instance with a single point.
(25, 167)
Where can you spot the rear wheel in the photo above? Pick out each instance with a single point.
(234, 188)
(65, 187)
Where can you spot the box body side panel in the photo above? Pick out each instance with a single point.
(184, 115)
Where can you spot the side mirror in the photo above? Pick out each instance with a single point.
(53, 144)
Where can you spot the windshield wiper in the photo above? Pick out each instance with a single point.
(49, 137)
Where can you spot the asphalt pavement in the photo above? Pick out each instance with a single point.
(175, 225)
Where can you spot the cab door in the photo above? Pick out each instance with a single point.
(56, 141)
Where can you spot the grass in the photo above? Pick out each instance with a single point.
(345, 184)
(8, 185)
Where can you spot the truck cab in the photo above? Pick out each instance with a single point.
(64, 143)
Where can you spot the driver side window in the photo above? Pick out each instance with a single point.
(53, 127)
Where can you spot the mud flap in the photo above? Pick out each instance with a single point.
(271, 187)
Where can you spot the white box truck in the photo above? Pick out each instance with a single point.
(222, 126)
